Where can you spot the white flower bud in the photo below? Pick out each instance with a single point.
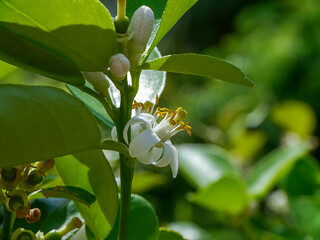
(141, 26)
(98, 80)
(119, 66)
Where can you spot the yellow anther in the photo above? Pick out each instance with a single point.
(185, 126)
(148, 106)
(180, 115)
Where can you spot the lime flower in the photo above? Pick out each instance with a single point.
(150, 142)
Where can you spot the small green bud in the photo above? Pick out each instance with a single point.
(34, 178)
(121, 25)
(16, 199)
(23, 234)
(8, 174)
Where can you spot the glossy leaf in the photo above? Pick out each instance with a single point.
(167, 234)
(6, 69)
(200, 65)
(202, 164)
(269, 170)
(72, 193)
(91, 171)
(40, 123)
(167, 13)
(143, 223)
(56, 39)
(94, 105)
(173, 11)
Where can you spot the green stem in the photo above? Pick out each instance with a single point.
(8, 219)
(126, 163)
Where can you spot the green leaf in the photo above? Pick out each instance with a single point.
(305, 120)
(269, 170)
(203, 164)
(91, 171)
(201, 65)
(67, 192)
(40, 123)
(208, 168)
(6, 69)
(58, 38)
(228, 194)
(94, 105)
(140, 185)
(303, 179)
(143, 223)
(173, 11)
(306, 211)
(167, 234)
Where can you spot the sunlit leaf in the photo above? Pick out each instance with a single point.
(228, 194)
(91, 171)
(167, 13)
(5, 69)
(304, 117)
(40, 123)
(208, 168)
(56, 38)
(269, 170)
(67, 192)
(201, 65)
(202, 164)
(143, 223)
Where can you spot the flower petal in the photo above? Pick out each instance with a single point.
(151, 156)
(139, 119)
(143, 142)
(170, 156)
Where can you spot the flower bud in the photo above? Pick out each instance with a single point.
(141, 25)
(98, 80)
(23, 234)
(119, 66)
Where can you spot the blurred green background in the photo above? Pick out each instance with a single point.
(277, 44)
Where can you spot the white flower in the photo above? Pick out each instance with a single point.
(98, 80)
(150, 142)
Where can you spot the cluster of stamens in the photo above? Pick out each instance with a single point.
(173, 117)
